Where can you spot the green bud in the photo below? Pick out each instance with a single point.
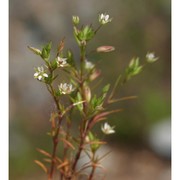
(46, 51)
(87, 93)
(95, 74)
(94, 146)
(134, 68)
(35, 50)
(86, 34)
(75, 20)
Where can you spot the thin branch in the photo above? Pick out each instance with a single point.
(115, 86)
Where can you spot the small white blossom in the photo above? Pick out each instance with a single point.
(61, 62)
(151, 57)
(89, 65)
(66, 88)
(107, 129)
(104, 19)
(40, 74)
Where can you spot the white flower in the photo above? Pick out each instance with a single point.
(61, 62)
(89, 65)
(151, 57)
(66, 88)
(104, 19)
(40, 74)
(107, 129)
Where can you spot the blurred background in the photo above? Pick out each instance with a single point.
(142, 143)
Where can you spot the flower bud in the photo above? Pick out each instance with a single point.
(105, 49)
(87, 93)
(75, 20)
(35, 50)
(94, 75)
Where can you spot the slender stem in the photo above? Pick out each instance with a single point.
(55, 143)
(81, 146)
(114, 88)
(68, 125)
(55, 137)
(93, 168)
(92, 172)
(83, 130)
(98, 28)
(79, 152)
(82, 61)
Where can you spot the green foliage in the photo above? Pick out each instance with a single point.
(93, 142)
(46, 51)
(133, 69)
(70, 58)
(85, 34)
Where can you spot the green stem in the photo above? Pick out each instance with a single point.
(82, 60)
(98, 29)
(114, 88)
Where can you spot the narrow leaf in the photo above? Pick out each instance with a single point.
(35, 50)
(122, 99)
(106, 88)
(47, 160)
(41, 165)
(44, 152)
(102, 157)
(102, 116)
(68, 143)
(97, 142)
(62, 165)
(60, 46)
(115, 86)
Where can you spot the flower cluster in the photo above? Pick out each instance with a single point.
(40, 74)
